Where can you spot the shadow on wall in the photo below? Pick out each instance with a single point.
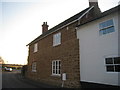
(24, 70)
(95, 85)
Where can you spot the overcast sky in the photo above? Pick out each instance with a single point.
(22, 20)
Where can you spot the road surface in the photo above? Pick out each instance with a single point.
(11, 80)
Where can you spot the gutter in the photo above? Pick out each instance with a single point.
(84, 14)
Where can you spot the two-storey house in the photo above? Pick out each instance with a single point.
(72, 52)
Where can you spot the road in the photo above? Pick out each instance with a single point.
(11, 80)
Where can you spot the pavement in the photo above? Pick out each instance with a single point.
(16, 78)
(10, 81)
(35, 83)
(84, 85)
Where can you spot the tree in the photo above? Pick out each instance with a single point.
(1, 61)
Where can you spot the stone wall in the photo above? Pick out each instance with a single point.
(67, 52)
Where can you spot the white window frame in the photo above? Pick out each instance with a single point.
(35, 47)
(34, 67)
(112, 64)
(57, 39)
(56, 67)
(104, 29)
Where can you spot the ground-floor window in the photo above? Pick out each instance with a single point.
(34, 67)
(56, 67)
(112, 64)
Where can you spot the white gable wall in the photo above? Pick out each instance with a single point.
(94, 49)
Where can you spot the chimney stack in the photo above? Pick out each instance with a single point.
(93, 3)
(44, 27)
(96, 11)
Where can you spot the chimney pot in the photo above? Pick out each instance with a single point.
(93, 0)
(44, 27)
(93, 3)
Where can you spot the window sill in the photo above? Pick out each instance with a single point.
(55, 75)
(35, 52)
(56, 45)
(113, 72)
(34, 71)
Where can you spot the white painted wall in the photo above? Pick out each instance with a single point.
(94, 49)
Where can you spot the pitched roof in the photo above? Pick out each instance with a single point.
(55, 28)
(110, 11)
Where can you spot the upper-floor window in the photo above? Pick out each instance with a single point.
(35, 47)
(112, 64)
(34, 67)
(56, 39)
(56, 67)
(106, 27)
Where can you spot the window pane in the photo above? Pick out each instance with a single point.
(108, 30)
(101, 32)
(117, 60)
(56, 71)
(54, 39)
(117, 68)
(53, 71)
(59, 71)
(36, 47)
(109, 61)
(102, 25)
(104, 31)
(34, 67)
(109, 22)
(53, 63)
(110, 68)
(111, 29)
(57, 39)
(56, 63)
(53, 67)
(59, 65)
